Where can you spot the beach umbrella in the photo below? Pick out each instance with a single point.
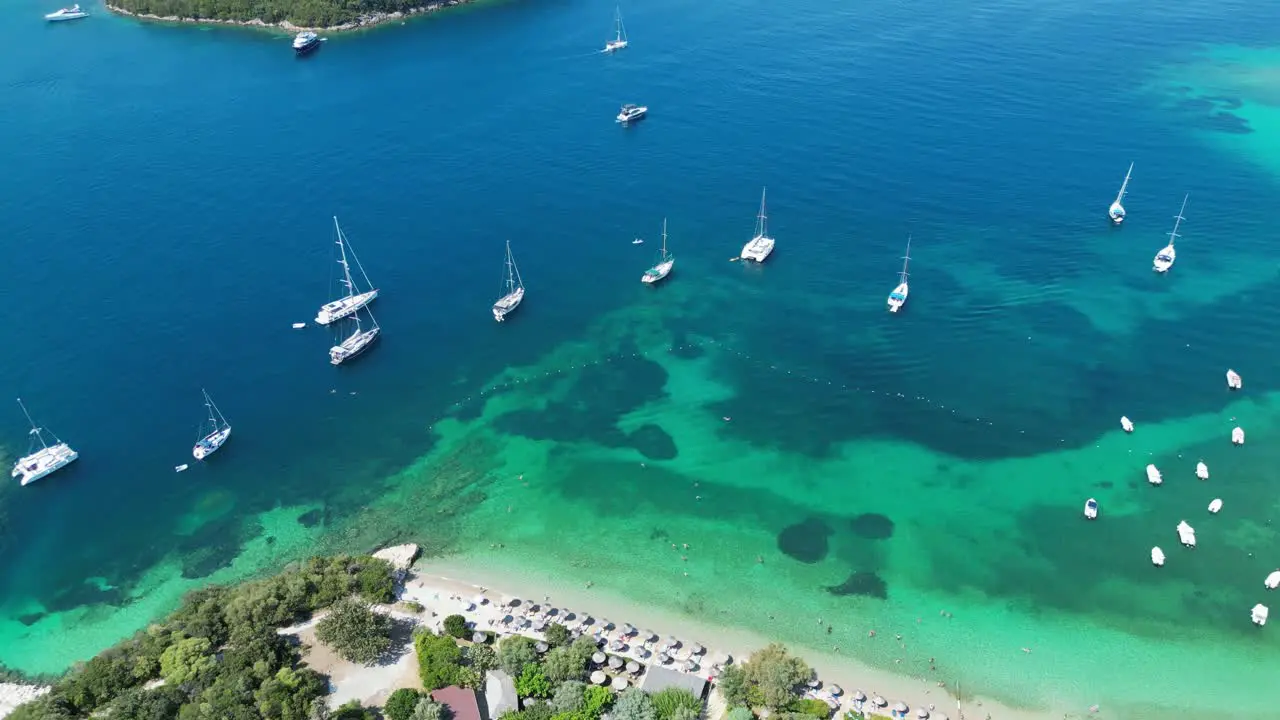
(633, 667)
(599, 678)
(479, 600)
(479, 638)
(617, 646)
(672, 641)
(514, 602)
(505, 619)
(879, 701)
(814, 682)
(615, 662)
(552, 612)
(607, 625)
(859, 696)
(644, 653)
(620, 683)
(649, 636)
(922, 714)
(697, 649)
(664, 658)
(835, 690)
(690, 666)
(540, 625)
(588, 620)
(628, 629)
(542, 647)
(900, 707)
(597, 658)
(568, 615)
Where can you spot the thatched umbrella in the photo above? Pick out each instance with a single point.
(633, 667)
(615, 662)
(599, 678)
(922, 713)
(620, 683)
(901, 707)
(598, 658)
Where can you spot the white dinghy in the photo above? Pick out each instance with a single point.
(1091, 509)
(1186, 534)
(1273, 580)
(1215, 506)
(1237, 436)
(1233, 380)
(1153, 475)
(1126, 424)
(1259, 614)
(1157, 557)
(1202, 470)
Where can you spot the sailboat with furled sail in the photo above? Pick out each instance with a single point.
(898, 297)
(354, 298)
(666, 261)
(49, 458)
(219, 431)
(619, 40)
(1165, 258)
(514, 287)
(357, 342)
(1116, 211)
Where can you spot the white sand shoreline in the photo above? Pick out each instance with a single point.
(13, 694)
(464, 579)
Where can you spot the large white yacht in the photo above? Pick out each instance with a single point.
(631, 112)
(514, 289)
(305, 41)
(353, 298)
(355, 343)
(759, 247)
(1165, 258)
(898, 297)
(1116, 211)
(67, 13)
(219, 431)
(49, 458)
(666, 261)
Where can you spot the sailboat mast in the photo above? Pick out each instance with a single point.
(511, 280)
(664, 239)
(906, 259)
(1173, 235)
(763, 219)
(617, 23)
(342, 259)
(1124, 185)
(35, 429)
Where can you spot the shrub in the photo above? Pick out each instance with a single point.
(557, 635)
(667, 702)
(563, 664)
(353, 711)
(514, 652)
(438, 660)
(429, 709)
(812, 707)
(595, 700)
(456, 625)
(569, 697)
(375, 580)
(742, 713)
(481, 657)
(186, 660)
(413, 606)
(401, 704)
(532, 682)
(775, 673)
(634, 704)
(355, 631)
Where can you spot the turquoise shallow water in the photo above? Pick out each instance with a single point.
(167, 209)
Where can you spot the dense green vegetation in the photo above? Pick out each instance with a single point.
(456, 625)
(769, 680)
(354, 631)
(219, 655)
(304, 13)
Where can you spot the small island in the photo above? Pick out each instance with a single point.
(327, 15)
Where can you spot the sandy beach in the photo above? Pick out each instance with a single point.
(12, 695)
(435, 581)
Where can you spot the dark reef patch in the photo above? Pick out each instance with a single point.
(805, 541)
(872, 526)
(866, 584)
(30, 618)
(653, 442)
(311, 518)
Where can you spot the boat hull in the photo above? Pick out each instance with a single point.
(1116, 213)
(634, 116)
(615, 46)
(64, 18)
(898, 298)
(657, 273)
(44, 463)
(352, 347)
(307, 49)
(506, 305)
(338, 309)
(758, 250)
(210, 443)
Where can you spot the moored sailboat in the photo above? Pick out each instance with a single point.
(1116, 211)
(219, 431)
(898, 297)
(514, 287)
(619, 40)
(49, 458)
(666, 261)
(355, 343)
(761, 245)
(1165, 258)
(354, 299)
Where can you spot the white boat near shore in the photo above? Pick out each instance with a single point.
(1215, 505)
(1116, 211)
(1259, 614)
(1202, 470)
(1153, 475)
(1186, 534)
(219, 431)
(1126, 424)
(48, 459)
(1157, 557)
(666, 261)
(1237, 436)
(1091, 509)
(1233, 380)
(759, 247)
(1273, 580)
(67, 13)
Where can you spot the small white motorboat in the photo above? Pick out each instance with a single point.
(1233, 380)
(1127, 424)
(1157, 557)
(1202, 470)
(630, 112)
(1216, 505)
(1091, 509)
(1186, 534)
(67, 13)
(299, 326)
(180, 468)
(637, 241)
(1259, 614)
(1273, 580)
(1237, 436)
(1153, 475)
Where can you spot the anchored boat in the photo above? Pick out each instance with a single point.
(220, 430)
(619, 40)
(760, 246)
(355, 298)
(1091, 509)
(1153, 475)
(666, 261)
(514, 286)
(1116, 211)
(1165, 258)
(67, 13)
(898, 297)
(48, 459)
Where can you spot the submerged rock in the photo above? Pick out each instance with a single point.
(867, 584)
(872, 526)
(805, 541)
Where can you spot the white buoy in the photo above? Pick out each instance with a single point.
(1153, 475)
(1157, 557)
(1202, 470)
(1273, 580)
(1216, 505)
(1127, 424)
(1237, 436)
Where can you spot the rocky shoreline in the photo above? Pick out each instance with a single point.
(361, 23)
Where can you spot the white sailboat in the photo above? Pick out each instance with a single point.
(1116, 211)
(219, 431)
(759, 247)
(619, 40)
(666, 261)
(354, 299)
(898, 297)
(355, 343)
(514, 287)
(1164, 258)
(49, 458)
(1186, 534)
(1157, 557)
(1237, 436)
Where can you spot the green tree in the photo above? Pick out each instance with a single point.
(557, 635)
(595, 700)
(532, 682)
(187, 660)
(811, 707)
(569, 697)
(684, 713)
(355, 631)
(740, 713)
(481, 657)
(670, 700)
(634, 704)
(161, 703)
(401, 704)
(288, 694)
(456, 625)
(353, 711)
(374, 578)
(514, 652)
(428, 709)
(562, 664)
(733, 686)
(776, 674)
(438, 660)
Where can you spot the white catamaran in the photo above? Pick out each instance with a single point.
(1116, 211)
(619, 40)
(355, 343)
(1164, 258)
(898, 297)
(38, 463)
(354, 299)
(665, 261)
(759, 247)
(219, 431)
(514, 287)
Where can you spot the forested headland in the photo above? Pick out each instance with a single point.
(328, 14)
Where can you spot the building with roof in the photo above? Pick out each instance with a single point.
(658, 678)
(460, 701)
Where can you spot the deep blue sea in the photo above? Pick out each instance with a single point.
(166, 205)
